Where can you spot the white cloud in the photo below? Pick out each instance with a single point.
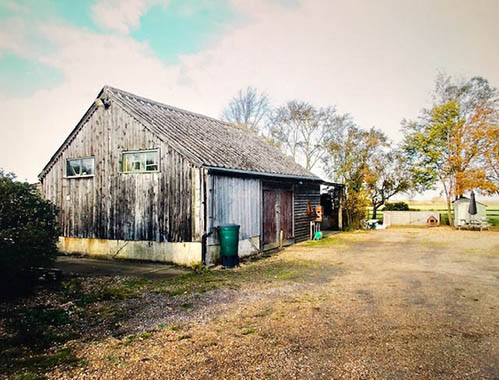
(14, 36)
(120, 15)
(370, 63)
(16, 7)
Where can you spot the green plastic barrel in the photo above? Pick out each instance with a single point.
(229, 244)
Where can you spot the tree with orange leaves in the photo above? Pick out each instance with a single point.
(453, 142)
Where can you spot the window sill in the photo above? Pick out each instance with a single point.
(149, 172)
(79, 176)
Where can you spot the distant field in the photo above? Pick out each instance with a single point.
(492, 211)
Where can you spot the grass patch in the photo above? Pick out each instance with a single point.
(64, 356)
(115, 360)
(327, 241)
(207, 280)
(492, 212)
(34, 366)
(33, 329)
(36, 328)
(136, 337)
(264, 313)
(28, 376)
(248, 331)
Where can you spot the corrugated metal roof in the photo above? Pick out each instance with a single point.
(207, 141)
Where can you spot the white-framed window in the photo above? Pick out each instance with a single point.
(141, 161)
(80, 167)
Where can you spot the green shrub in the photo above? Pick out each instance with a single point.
(397, 206)
(28, 232)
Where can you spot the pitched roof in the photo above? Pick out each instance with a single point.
(207, 141)
(203, 140)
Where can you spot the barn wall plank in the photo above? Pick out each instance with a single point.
(302, 195)
(234, 200)
(115, 205)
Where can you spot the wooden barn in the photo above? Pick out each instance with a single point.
(138, 179)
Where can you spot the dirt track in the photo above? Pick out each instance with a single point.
(400, 303)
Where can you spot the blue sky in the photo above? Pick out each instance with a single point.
(170, 29)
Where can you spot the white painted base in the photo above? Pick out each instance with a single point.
(408, 218)
(247, 247)
(177, 253)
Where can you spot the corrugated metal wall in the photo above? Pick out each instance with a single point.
(304, 194)
(235, 201)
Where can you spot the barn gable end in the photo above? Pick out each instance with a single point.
(113, 204)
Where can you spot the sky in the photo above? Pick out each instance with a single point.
(376, 60)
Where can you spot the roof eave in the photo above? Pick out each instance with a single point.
(254, 173)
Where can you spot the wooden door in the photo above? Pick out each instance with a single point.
(286, 215)
(269, 218)
(277, 217)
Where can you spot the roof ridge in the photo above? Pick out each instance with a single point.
(164, 105)
(184, 128)
(201, 139)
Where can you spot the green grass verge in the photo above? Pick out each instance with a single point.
(32, 333)
(492, 213)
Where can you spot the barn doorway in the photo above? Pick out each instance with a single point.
(277, 217)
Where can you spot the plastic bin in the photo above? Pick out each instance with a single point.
(229, 244)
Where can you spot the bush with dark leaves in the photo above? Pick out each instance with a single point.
(28, 233)
(397, 206)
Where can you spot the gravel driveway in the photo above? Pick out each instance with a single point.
(399, 303)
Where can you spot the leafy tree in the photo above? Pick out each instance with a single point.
(28, 230)
(386, 175)
(490, 158)
(450, 142)
(247, 109)
(348, 152)
(301, 130)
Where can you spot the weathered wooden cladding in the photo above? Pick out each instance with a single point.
(304, 194)
(116, 205)
(235, 201)
(210, 174)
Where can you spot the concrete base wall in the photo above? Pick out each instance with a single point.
(408, 218)
(177, 253)
(247, 247)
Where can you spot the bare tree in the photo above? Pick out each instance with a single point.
(247, 109)
(301, 130)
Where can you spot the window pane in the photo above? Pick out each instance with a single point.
(73, 168)
(87, 166)
(140, 161)
(134, 162)
(127, 163)
(152, 161)
(137, 165)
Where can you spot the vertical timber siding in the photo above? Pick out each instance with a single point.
(235, 201)
(115, 205)
(304, 194)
